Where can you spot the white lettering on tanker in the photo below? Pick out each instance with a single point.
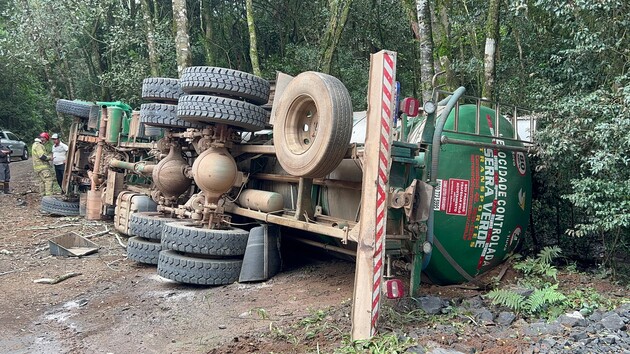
(494, 188)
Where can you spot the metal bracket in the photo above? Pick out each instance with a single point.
(420, 196)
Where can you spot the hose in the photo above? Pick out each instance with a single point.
(435, 156)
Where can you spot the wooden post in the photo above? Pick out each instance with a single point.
(72, 143)
(376, 166)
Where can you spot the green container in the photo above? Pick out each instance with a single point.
(482, 199)
(114, 125)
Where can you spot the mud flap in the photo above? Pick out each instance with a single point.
(262, 255)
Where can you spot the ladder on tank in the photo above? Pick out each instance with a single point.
(523, 121)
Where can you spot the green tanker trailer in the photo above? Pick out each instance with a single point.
(482, 195)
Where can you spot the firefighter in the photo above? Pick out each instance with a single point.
(41, 164)
(5, 173)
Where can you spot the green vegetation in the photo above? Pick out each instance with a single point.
(540, 300)
(389, 343)
(545, 299)
(540, 266)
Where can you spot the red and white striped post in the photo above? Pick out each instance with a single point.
(376, 166)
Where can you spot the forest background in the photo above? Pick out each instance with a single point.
(568, 60)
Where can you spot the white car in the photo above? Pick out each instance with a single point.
(19, 147)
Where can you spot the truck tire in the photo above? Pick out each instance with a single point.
(185, 237)
(148, 225)
(143, 251)
(74, 108)
(161, 90)
(313, 125)
(56, 206)
(163, 115)
(212, 109)
(225, 82)
(203, 271)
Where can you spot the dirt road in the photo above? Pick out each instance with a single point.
(118, 306)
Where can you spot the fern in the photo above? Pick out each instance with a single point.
(541, 299)
(541, 265)
(537, 271)
(546, 270)
(547, 254)
(507, 298)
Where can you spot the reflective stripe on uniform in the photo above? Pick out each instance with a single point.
(38, 151)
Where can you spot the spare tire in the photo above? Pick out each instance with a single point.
(313, 125)
(203, 271)
(211, 109)
(186, 237)
(161, 90)
(225, 82)
(79, 109)
(163, 115)
(56, 206)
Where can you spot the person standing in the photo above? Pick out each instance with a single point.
(5, 173)
(59, 153)
(41, 164)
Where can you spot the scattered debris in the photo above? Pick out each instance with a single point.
(52, 227)
(11, 271)
(43, 248)
(98, 233)
(120, 241)
(56, 279)
(5, 251)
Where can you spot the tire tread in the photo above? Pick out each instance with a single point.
(142, 250)
(161, 90)
(55, 206)
(163, 115)
(202, 271)
(183, 237)
(223, 81)
(214, 109)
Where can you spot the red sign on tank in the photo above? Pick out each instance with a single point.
(457, 197)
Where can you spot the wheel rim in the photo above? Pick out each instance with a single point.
(302, 127)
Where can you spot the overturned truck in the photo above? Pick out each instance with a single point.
(219, 165)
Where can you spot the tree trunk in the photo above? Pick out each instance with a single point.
(339, 11)
(490, 53)
(150, 28)
(426, 48)
(412, 17)
(182, 42)
(208, 34)
(100, 50)
(253, 50)
(443, 44)
(474, 47)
